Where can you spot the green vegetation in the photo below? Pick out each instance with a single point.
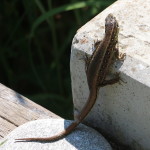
(2, 142)
(35, 46)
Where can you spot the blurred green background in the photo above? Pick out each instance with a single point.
(35, 43)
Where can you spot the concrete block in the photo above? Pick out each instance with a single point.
(122, 111)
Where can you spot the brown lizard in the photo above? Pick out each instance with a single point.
(97, 69)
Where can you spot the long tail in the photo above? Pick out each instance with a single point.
(89, 104)
(65, 132)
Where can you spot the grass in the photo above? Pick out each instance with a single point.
(35, 45)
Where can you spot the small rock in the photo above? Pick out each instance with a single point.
(82, 138)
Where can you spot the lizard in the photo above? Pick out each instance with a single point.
(98, 66)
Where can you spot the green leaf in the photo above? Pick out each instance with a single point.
(54, 11)
(2, 142)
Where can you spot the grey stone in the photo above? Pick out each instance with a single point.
(82, 138)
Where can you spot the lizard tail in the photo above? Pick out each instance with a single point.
(65, 132)
(89, 104)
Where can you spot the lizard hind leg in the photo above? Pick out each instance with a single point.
(114, 80)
